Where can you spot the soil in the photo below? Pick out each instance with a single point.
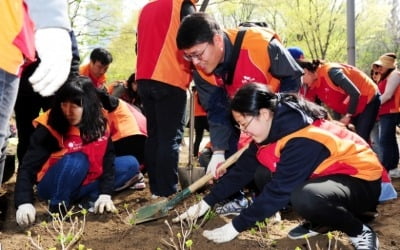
(112, 231)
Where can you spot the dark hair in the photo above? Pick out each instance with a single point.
(252, 97)
(130, 80)
(310, 65)
(80, 91)
(196, 28)
(101, 55)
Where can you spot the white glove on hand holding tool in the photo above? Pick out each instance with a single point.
(193, 212)
(216, 159)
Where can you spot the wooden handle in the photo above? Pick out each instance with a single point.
(226, 164)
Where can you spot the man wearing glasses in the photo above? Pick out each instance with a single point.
(262, 58)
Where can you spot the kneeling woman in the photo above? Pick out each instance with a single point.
(71, 156)
(330, 175)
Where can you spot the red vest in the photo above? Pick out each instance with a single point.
(335, 97)
(158, 57)
(72, 142)
(393, 104)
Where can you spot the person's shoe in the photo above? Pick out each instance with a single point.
(88, 205)
(233, 207)
(138, 185)
(305, 229)
(367, 240)
(394, 173)
(135, 179)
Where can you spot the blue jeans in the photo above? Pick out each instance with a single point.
(63, 181)
(164, 107)
(389, 150)
(8, 94)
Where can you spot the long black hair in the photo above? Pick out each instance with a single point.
(80, 91)
(252, 97)
(311, 66)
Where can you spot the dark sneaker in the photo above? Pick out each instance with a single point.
(233, 207)
(305, 230)
(139, 178)
(367, 240)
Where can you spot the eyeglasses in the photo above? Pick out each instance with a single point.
(190, 58)
(244, 127)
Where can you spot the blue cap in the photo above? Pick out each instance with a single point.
(296, 52)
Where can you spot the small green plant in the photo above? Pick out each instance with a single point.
(186, 226)
(130, 219)
(65, 229)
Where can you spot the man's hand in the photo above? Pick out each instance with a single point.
(26, 214)
(193, 212)
(216, 159)
(222, 234)
(53, 46)
(104, 202)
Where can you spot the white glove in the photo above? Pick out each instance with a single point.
(216, 159)
(222, 234)
(104, 201)
(53, 46)
(193, 212)
(25, 214)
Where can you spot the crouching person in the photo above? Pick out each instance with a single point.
(329, 175)
(71, 156)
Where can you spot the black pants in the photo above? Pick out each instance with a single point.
(337, 202)
(200, 124)
(164, 107)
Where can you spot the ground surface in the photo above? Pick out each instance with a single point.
(110, 231)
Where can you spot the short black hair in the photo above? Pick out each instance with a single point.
(101, 55)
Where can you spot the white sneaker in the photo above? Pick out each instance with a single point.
(394, 173)
(367, 240)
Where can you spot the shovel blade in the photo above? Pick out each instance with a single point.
(187, 175)
(151, 212)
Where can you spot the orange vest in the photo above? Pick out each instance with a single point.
(16, 36)
(158, 57)
(84, 70)
(253, 62)
(125, 121)
(393, 104)
(72, 142)
(349, 154)
(198, 109)
(334, 96)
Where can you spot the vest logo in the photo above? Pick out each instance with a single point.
(248, 79)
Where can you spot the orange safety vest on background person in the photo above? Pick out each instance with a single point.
(72, 142)
(334, 96)
(349, 153)
(198, 109)
(125, 121)
(84, 70)
(16, 36)
(393, 104)
(253, 63)
(158, 57)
